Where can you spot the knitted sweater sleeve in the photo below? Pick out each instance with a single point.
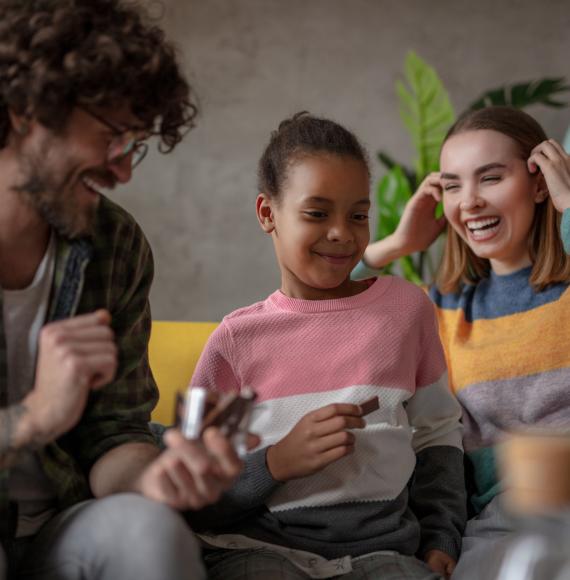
(437, 489)
(217, 370)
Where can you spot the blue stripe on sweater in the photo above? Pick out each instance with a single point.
(498, 296)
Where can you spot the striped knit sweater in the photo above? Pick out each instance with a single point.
(507, 353)
(509, 363)
(402, 488)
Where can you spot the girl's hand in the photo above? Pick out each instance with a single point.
(554, 163)
(418, 227)
(440, 563)
(318, 439)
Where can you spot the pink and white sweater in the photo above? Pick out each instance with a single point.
(402, 488)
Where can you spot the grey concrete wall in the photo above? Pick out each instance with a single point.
(254, 62)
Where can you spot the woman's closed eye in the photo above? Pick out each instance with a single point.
(491, 178)
(450, 186)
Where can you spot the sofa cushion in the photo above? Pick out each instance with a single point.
(174, 350)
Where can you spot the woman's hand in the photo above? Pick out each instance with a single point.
(318, 439)
(554, 164)
(418, 227)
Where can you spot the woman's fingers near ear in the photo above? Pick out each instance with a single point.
(561, 151)
(531, 164)
(549, 150)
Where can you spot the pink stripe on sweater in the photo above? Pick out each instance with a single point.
(384, 336)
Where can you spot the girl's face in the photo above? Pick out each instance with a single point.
(489, 196)
(319, 226)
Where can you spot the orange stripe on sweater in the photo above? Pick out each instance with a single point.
(506, 347)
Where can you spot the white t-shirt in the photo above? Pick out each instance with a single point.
(24, 315)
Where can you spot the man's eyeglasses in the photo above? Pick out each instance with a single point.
(124, 143)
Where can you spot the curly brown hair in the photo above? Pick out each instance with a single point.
(56, 54)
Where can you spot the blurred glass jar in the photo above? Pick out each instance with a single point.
(535, 467)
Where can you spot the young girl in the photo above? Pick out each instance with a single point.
(501, 294)
(331, 493)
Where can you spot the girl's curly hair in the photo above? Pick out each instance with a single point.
(304, 135)
(56, 54)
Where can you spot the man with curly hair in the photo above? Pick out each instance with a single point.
(83, 85)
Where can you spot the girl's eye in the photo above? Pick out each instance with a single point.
(316, 214)
(450, 186)
(361, 217)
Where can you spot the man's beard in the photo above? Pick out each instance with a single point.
(50, 193)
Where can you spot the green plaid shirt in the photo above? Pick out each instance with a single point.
(112, 270)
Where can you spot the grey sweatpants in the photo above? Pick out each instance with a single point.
(124, 536)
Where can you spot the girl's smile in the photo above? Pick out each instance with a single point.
(340, 259)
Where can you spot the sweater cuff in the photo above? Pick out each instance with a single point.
(565, 230)
(444, 543)
(259, 480)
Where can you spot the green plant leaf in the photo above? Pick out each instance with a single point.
(426, 112)
(386, 160)
(389, 163)
(522, 95)
(410, 271)
(392, 194)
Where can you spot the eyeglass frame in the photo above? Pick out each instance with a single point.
(134, 144)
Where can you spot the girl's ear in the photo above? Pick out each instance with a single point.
(264, 212)
(541, 191)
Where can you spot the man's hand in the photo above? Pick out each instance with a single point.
(318, 439)
(192, 474)
(76, 355)
(440, 563)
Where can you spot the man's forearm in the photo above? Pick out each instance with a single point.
(120, 468)
(16, 433)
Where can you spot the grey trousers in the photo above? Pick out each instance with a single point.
(485, 540)
(124, 536)
(263, 564)
(492, 550)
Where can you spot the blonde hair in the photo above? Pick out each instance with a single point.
(550, 264)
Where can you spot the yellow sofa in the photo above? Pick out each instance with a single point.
(174, 350)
